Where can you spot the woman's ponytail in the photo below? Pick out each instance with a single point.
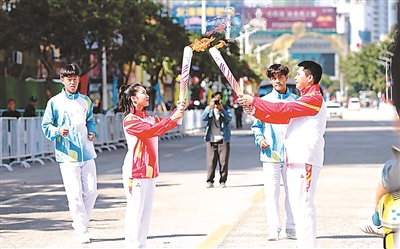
(125, 93)
(123, 100)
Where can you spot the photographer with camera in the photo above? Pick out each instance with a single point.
(217, 137)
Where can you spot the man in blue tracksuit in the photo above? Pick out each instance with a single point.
(68, 121)
(270, 139)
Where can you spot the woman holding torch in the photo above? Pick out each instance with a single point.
(140, 167)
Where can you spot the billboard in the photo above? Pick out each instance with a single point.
(281, 19)
(326, 60)
(190, 16)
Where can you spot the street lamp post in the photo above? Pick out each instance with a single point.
(104, 80)
(387, 62)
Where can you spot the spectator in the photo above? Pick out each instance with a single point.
(389, 180)
(238, 115)
(218, 135)
(30, 110)
(11, 112)
(97, 106)
(270, 139)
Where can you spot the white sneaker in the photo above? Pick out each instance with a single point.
(83, 237)
(367, 226)
(273, 235)
(210, 185)
(291, 233)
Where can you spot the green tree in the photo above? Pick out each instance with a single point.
(39, 27)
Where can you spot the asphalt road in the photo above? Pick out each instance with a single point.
(34, 212)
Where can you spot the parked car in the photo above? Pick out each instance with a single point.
(334, 109)
(354, 104)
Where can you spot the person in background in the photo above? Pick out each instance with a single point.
(270, 139)
(30, 110)
(11, 112)
(304, 144)
(217, 137)
(238, 116)
(68, 120)
(97, 106)
(141, 167)
(389, 179)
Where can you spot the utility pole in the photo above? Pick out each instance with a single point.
(104, 81)
(203, 17)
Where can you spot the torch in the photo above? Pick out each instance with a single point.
(186, 61)
(225, 70)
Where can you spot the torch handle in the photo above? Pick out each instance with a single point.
(219, 60)
(185, 70)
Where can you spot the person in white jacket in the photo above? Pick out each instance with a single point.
(270, 138)
(304, 144)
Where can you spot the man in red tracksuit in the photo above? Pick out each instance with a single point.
(304, 144)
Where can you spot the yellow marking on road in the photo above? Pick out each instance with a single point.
(259, 195)
(215, 237)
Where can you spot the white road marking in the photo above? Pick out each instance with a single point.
(193, 148)
(114, 170)
(380, 128)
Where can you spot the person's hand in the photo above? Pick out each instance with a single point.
(212, 103)
(91, 136)
(181, 106)
(245, 99)
(264, 144)
(178, 114)
(249, 110)
(219, 106)
(63, 131)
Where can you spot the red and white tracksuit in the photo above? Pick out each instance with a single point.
(304, 144)
(139, 172)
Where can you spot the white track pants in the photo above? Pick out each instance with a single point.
(302, 184)
(138, 211)
(272, 181)
(80, 183)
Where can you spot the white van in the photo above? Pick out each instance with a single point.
(354, 104)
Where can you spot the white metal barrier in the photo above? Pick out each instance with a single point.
(22, 140)
(27, 139)
(9, 143)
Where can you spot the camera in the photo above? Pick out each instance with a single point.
(217, 102)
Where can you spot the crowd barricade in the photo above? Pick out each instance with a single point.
(22, 140)
(111, 132)
(42, 147)
(9, 144)
(27, 139)
(100, 142)
(119, 129)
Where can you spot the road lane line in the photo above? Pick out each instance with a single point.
(215, 237)
(193, 148)
(259, 195)
(114, 170)
(372, 128)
